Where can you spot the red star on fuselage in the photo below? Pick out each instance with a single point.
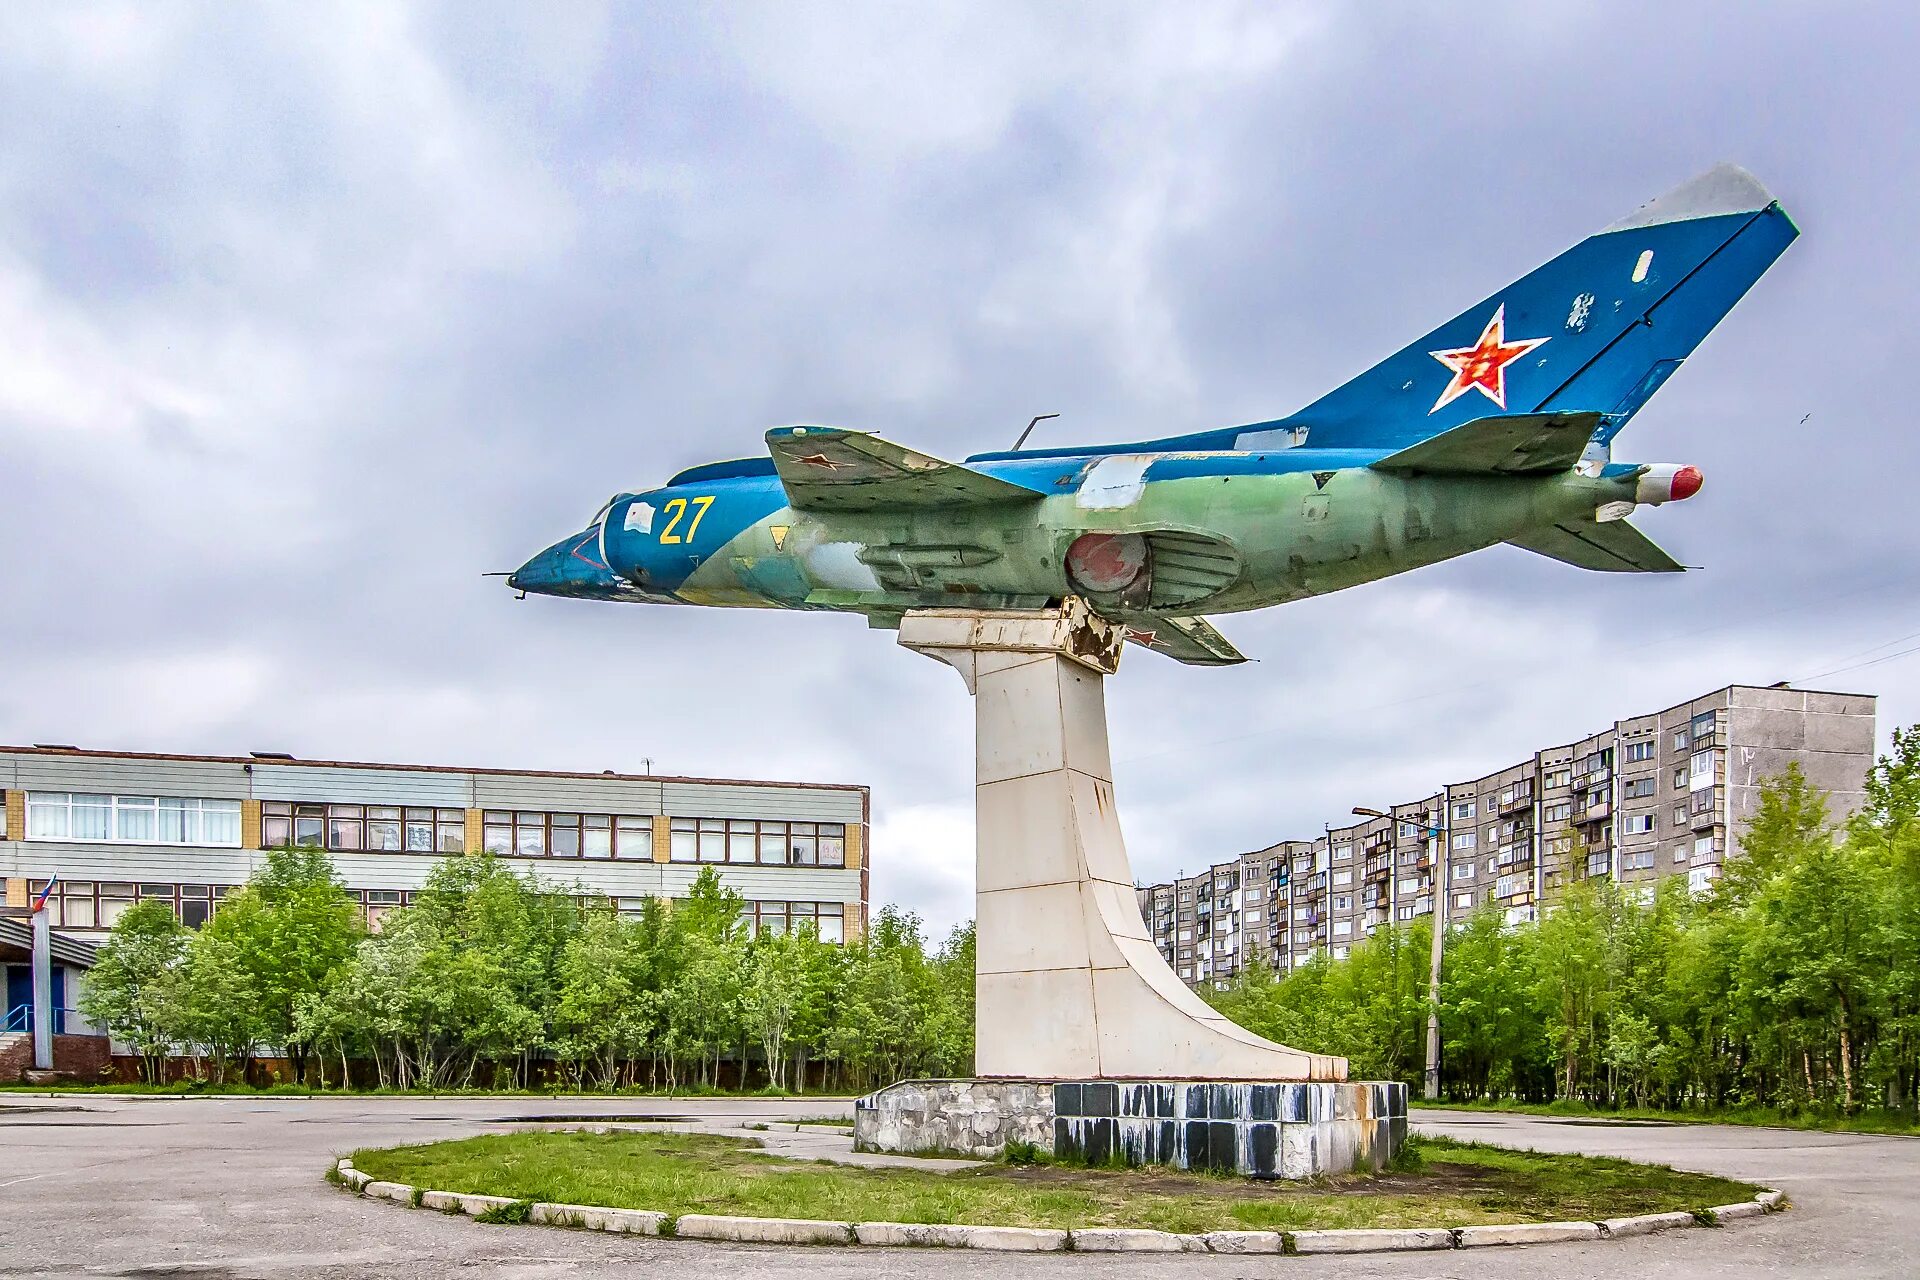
(1482, 367)
(822, 461)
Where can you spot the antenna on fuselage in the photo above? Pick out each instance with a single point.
(1029, 431)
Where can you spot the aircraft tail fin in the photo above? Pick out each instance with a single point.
(1596, 330)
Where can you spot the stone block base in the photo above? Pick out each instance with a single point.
(1261, 1130)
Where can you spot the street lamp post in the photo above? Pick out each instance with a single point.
(1430, 1086)
(1442, 885)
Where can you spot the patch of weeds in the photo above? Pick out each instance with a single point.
(1410, 1158)
(1705, 1217)
(333, 1175)
(512, 1213)
(419, 1193)
(670, 1226)
(1026, 1153)
(758, 1128)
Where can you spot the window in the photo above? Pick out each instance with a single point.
(1558, 812)
(1410, 885)
(1700, 769)
(377, 904)
(1253, 915)
(1705, 847)
(1506, 886)
(1560, 778)
(1637, 824)
(1637, 859)
(1642, 750)
(1680, 740)
(1343, 853)
(1679, 815)
(86, 904)
(1343, 928)
(1463, 871)
(1463, 900)
(827, 918)
(1463, 809)
(1641, 788)
(1464, 840)
(1704, 725)
(1343, 877)
(1404, 913)
(380, 828)
(1680, 779)
(63, 815)
(1344, 902)
(744, 840)
(526, 834)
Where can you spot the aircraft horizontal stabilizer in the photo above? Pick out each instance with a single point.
(833, 469)
(1611, 547)
(1503, 444)
(1190, 640)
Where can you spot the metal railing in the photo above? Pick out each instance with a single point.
(20, 1018)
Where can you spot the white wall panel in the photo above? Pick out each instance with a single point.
(361, 786)
(794, 804)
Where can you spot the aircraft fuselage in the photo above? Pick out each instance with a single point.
(1224, 533)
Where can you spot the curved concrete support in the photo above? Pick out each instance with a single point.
(1068, 981)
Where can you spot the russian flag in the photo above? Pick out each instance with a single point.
(41, 901)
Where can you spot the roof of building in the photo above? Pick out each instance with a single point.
(279, 759)
(16, 931)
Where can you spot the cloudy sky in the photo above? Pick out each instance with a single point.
(311, 315)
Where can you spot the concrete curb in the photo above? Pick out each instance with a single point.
(702, 1226)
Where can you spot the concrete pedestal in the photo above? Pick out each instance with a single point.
(1072, 996)
(1068, 982)
(1290, 1129)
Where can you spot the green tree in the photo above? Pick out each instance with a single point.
(291, 927)
(146, 944)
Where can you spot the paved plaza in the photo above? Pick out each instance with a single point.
(231, 1188)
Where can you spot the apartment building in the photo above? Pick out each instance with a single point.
(1668, 793)
(120, 827)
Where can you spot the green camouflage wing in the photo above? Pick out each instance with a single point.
(833, 469)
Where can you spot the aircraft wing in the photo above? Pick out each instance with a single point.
(1189, 640)
(1500, 444)
(1611, 547)
(833, 469)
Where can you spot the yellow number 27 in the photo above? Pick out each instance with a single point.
(677, 508)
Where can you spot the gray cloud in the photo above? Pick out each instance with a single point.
(305, 323)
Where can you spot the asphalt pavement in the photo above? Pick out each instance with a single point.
(232, 1188)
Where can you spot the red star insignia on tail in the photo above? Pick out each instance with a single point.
(822, 461)
(1482, 367)
(1139, 636)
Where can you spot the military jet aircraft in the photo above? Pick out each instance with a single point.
(1495, 427)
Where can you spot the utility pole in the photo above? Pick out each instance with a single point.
(1442, 883)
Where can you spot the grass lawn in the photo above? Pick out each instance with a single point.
(1881, 1121)
(1446, 1183)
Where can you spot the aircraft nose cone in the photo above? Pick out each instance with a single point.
(1687, 482)
(542, 574)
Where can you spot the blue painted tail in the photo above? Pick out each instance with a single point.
(1596, 330)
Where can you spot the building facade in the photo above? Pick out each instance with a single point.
(119, 827)
(1661, 795)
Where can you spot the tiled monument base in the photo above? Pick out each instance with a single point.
(1280, 1130)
